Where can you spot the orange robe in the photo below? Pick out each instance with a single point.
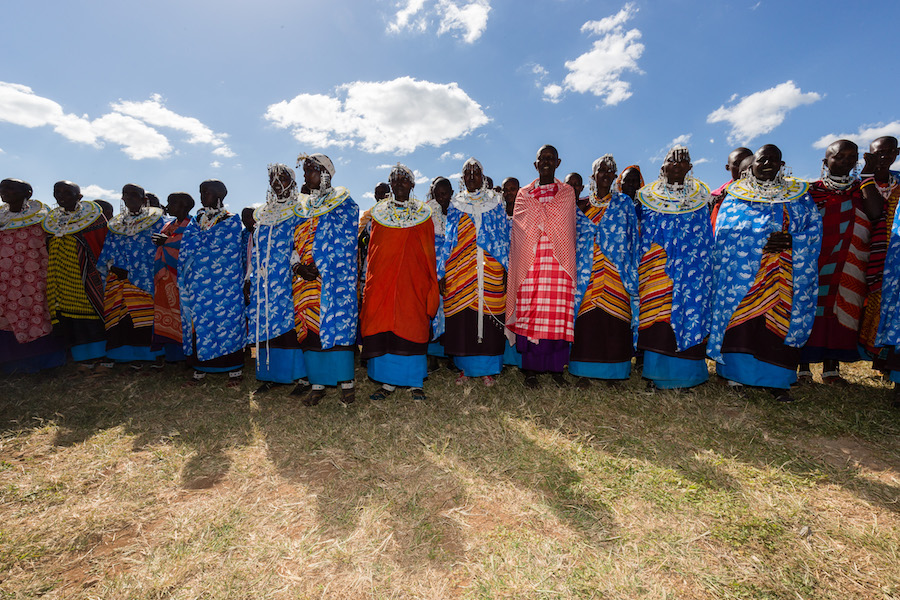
(401, 294)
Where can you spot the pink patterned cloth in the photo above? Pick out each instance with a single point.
(23, 283)
(542, 263)
(546, 298)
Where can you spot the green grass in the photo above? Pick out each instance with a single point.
(134, 487)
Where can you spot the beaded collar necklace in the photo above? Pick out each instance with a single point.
(276, 209)
(672, 198)
(32, 212)
(129, 223)
(316, 204)
(600, 202)
(391, 213)
(479, 201)
(780, 190)
(207, 218)
(59, 222)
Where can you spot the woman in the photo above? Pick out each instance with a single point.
(606, 290)
(675, 275)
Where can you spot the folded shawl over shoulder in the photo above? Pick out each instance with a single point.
(555, 217)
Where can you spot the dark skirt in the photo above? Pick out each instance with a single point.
(660, 338)
(602, 338)
(755, 339)
(547, 356)
(461, 335)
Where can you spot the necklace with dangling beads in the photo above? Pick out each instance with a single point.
(886, 189)
(839, 184)
(208, 217)
(60, 222)
(598, 202)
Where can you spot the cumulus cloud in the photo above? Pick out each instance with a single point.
(466, 20)
(863, 137)
(454, 156)
(553, 93)
(215, 164)
(94, 192)
(131, 125)
(682, 140)
(760, 112)
(470, 19)
(600, 69)
(152, 112)
(403, 19)
(380, 116)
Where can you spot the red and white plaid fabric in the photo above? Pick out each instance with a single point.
(546, 299)
(544, 216)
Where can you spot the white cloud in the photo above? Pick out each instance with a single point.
(599, 70)
(131, 125)
(539, 70)
(381, 116)
(699, 161)
(467, 19)
(420, 178)
(863, 137)
(384, 166)
(93, 192)
(455, 156)
(761, 112)
(369, 195)
(403, 18)
(154, 113)
(553, 93)
(470, 18)
(215, 164)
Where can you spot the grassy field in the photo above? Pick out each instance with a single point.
(133, 487)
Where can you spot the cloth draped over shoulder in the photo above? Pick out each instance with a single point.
(742, 229)
(617, 236)
(271, 309)
(439, 220)
(334, 252)
(401, 294)
(166, 312)
(23, 282)
(135, 253)
(551, 213)
(687, 240)
(492, 230)
(211, 277)
(88, 243)
(889, 323)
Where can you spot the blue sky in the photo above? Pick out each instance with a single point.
(166, 94)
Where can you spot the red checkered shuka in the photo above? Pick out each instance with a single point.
(546, 299)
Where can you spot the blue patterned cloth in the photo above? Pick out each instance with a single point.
(889, 325)
(688, 242)
(210, 280)
(618, 236)
(334, 251)
(742, 229)
(134, 253)
(271, 309)
(439, 322)
(492, 236)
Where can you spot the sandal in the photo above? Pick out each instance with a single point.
(834, 378)
(348, 395)
(489, 380)
(781, 395)
(313, 397)
(380, 395)
(418, 394)
(461, 379)
(560, 380)
(584, 383)
(301, 389)
(267, 386)
(531, 382)
(804, 377)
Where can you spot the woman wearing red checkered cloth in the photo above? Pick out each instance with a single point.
(540, 299)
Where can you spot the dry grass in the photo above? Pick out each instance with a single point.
(132, 487)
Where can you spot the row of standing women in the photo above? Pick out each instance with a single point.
(765, 274)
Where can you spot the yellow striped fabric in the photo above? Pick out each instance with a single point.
(307, 294)
(770, 295)
(65, 290)
(123, 299)
(654, 288)
(462, 275)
